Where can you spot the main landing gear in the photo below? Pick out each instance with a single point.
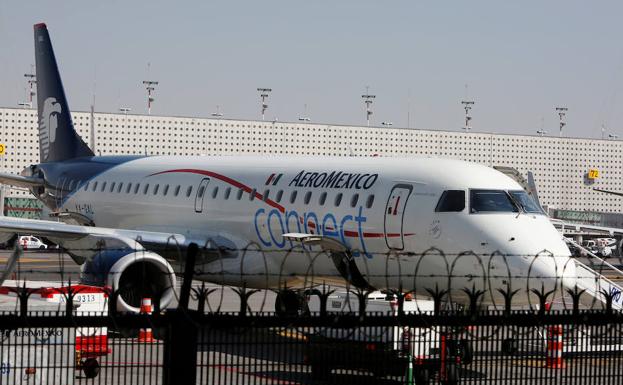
(291, 303)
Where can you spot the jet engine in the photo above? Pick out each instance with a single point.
(133, 274)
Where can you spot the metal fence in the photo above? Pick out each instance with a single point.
(349, 336)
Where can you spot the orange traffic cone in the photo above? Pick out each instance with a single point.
(146, 335)
(554, 358)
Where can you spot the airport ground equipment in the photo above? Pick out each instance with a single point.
(598, 287)
(90, 343)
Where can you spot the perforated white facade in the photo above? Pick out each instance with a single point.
(560, 165)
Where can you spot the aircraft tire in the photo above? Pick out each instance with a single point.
(291, 303)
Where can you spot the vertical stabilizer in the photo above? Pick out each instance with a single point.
(57, 138)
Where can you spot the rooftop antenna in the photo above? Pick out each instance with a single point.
(218, 113)
(304, 117)
(367, 99)
(562, 116)
(264, 95)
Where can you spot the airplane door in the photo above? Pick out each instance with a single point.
(201, 192)
(394, 215)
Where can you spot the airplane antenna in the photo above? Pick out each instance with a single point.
(264, 96)
(467, 106)
(562, 117)
(367, 99)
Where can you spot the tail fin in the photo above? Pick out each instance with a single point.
(57, 138)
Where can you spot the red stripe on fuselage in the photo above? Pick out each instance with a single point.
(235, 183)
(225, 179)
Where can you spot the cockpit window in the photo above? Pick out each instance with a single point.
(451, 201)
(526, 202)
(487, 201)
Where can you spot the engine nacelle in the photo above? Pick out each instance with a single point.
(134, 274)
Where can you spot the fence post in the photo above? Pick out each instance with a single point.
(181, 340)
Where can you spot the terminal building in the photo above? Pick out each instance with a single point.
(565, 169)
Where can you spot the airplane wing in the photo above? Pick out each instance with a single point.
(84, 241)
(20, 181)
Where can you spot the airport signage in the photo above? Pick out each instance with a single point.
(593, 173)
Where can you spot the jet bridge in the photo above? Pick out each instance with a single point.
(595, 282)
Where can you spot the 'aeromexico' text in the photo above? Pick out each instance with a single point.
(334, 179)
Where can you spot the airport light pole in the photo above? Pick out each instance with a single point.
(562, 117)
(264, 96)
(32, 80)
(467, 106)
(367, 100)
(150, 87)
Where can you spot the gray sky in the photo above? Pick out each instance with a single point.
(519, 59)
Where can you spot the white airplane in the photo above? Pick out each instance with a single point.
(275, 221)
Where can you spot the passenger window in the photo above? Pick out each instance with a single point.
(323, 198)
(201, 191)
(491, 201)
(370, 201)
(266, 194)
(293, 197)
(119, 187)
(71, 185)
(227, 192)
(451, 201)
(189, 191)
(353, 200)
(166, 190)
(138, 186)
(112, 187)
(308, 197)
(252, 194)
(177, 190)
(156, 187)
(215, 192)
(86, 186)
(145, 189)
(95, 186)
(279, 195)
(103, 187)
(239, 195)
(129, 188)
(338, 199)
